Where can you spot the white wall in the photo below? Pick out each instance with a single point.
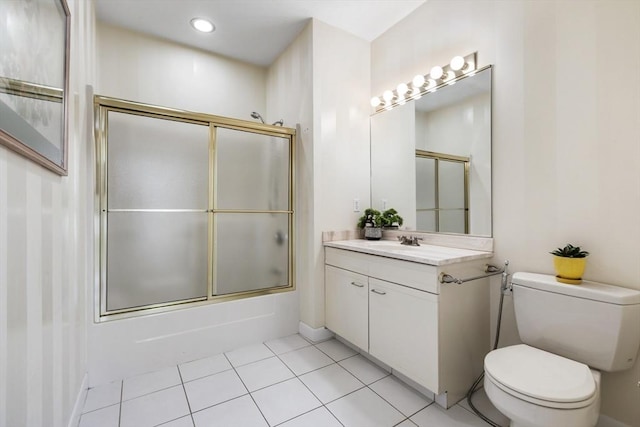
(290, 96)
(145, 69)
(46, 264)
(341, 69)
(321, 82)
(566, 132)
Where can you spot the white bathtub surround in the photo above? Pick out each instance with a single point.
(127, 347)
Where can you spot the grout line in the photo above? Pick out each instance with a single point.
(186, 396)
(120, 408)
(250, 393)
(392, 405)
(247, 388)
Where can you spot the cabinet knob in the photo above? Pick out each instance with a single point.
(375, 291)
(360, 285)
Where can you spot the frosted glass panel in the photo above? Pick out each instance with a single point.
(252, 171)
(451, 183)
(157, 164)
(251, 252)
(425, 184)
(426, 220)
(155, 257)
(452, 221)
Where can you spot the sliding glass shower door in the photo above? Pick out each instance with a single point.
(193, 207)
(157, 211)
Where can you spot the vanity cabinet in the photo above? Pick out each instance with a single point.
(403, 330)
(347, 305)
(398, 312)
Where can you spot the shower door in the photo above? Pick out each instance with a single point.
(193, 208)
(156, 211)
(252, 211)
(442, 192)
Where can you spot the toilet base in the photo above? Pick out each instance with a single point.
(526, 414)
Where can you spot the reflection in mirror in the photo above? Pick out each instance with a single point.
(431, 159)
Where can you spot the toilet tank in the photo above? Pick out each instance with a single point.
(593, 323)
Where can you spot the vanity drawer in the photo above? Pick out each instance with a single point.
(349, 260)
(415, 275)
(419, 276)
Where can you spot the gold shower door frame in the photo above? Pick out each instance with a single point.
(102, 106)
(438, 157)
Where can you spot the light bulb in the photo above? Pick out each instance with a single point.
(431, 82)
(418, 81)
(402, 89)
(375, 101)
(449, 76)
(457, 63)
(400, 99)
(202, 25)
(387, 95)
(436, 72)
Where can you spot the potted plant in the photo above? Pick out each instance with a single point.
(569, 263)
(371, 222)
(391, 219)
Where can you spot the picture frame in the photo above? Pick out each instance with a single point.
(34, 81)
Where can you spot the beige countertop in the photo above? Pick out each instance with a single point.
(424, 254)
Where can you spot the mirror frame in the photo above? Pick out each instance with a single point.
(28, 142)
(430, 92)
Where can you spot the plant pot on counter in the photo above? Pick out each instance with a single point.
(372, 233)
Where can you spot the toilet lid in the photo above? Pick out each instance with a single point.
(539, 374)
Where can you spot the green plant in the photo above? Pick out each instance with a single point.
(570, 251)
(370, 216)
(390, 217)
(387, 218)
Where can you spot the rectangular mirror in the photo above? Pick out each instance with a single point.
(34, 64)
(431, 158)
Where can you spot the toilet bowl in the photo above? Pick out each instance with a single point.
(534, 388)
(569, 334)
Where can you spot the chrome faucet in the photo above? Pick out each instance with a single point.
(410, 240)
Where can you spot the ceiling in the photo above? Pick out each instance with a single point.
(253, 31)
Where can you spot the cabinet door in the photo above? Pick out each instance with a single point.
(403, 330)
(347, 305)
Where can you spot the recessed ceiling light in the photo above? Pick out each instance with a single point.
(202, 25)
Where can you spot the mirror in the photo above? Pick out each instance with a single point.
(431, 158)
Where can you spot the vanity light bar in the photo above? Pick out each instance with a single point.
(436, 78)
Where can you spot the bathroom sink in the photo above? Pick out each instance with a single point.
(425, 253)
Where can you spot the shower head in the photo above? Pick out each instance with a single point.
(278, 123)
(257, 116)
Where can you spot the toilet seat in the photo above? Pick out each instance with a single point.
(540, 377)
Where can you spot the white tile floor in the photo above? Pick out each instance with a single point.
(287, 382)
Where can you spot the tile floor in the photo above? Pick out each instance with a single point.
(286, 382)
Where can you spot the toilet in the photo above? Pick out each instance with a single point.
(570, 333)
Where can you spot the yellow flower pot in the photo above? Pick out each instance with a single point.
(569, 270)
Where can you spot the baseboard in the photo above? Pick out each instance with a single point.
(74, 420)
(605, 421)
(315, 335)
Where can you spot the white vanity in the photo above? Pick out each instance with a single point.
(386, 299)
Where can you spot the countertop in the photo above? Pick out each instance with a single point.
(424, 254)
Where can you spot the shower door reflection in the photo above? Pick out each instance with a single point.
(442, 192)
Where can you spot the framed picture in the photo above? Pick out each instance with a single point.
(34, 80)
